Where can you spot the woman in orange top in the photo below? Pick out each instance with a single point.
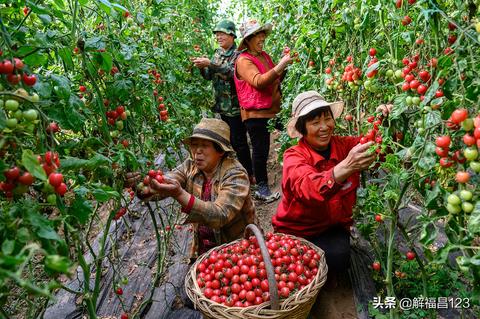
(257, 80)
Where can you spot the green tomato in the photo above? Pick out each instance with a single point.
(114, 134)
(453, 209)
(408, 100)
(52, 199)
(30, 115)
(467, 207)
(467, 125)
(127, 112)
(11, 123)
(11, 105)
(421, 131)
(18, 115)
(454, 199)
(367, 83)
(119, 125)
(416, 100)
(466, 195)
(470, 154)
(398, 74)
(389, 73)
(475, 166)
(34, 97)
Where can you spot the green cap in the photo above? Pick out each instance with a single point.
(225, 26)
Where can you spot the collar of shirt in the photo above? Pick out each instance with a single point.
(215, 177)
(316, 158)
(228, 52)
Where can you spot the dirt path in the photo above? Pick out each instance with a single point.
(333, 303)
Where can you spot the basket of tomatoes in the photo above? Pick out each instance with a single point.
(274, 277)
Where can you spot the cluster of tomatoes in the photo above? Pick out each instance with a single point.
(162, 109)
(471, 139)
(50, 163)
(144, 187)
(14, 72)
(156, 76)
(235, 275)
(18, 180)
(417, 80)
(117, 116)
(373, 134)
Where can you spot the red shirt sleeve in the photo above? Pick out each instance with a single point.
(305, 181)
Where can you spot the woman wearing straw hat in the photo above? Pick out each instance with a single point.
(320, 178)
(212, 186)
(257, 80)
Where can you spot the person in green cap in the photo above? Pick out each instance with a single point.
(219, 69)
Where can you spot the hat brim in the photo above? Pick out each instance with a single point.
(267, 28)
(226, 32)
(225, 147)
(336, 107)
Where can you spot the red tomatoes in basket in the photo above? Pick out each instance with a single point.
(235, 274)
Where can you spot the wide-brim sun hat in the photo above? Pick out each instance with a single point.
(307, 102)
(214, 130)
(250, 27)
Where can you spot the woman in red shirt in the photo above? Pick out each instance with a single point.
(320, 178)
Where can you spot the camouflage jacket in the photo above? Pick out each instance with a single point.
(220, 72)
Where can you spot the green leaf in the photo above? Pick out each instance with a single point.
(60, 4)
(73, 163)
(94, 43)
(35, 60)
(61, 86)
(121, 88)
(105, 60)
(66, 56)
(81, 209)
(75, 120)
(105, 6)
(429, 234)
(105, 193)
(42, 226)
(372, 67)
(474, 220)
(57, 263)
(46, 19)
(445, 62)
(30, 162)
(118, 7)
(8, 246)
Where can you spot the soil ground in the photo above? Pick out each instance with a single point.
(332, 303)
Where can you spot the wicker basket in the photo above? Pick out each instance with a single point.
(297, 306)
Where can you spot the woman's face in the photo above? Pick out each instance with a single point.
(319, 131)
(204, 154)
(225, 41)
(255, 43)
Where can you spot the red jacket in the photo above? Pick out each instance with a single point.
(248, 96)
(312, 201)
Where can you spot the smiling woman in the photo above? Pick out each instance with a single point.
(320, 179)
(257, 80)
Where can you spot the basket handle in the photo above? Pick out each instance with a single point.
(272, 284)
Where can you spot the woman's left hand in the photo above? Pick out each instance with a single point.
(169, 188)
(385, 109)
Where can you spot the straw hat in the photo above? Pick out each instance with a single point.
(214, 130)
(305, 103)
(251, 27)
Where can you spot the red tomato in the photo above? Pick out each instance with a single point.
(410, 255)
(443, 141)
(462, 177)
(376, 266)
(459, 115)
